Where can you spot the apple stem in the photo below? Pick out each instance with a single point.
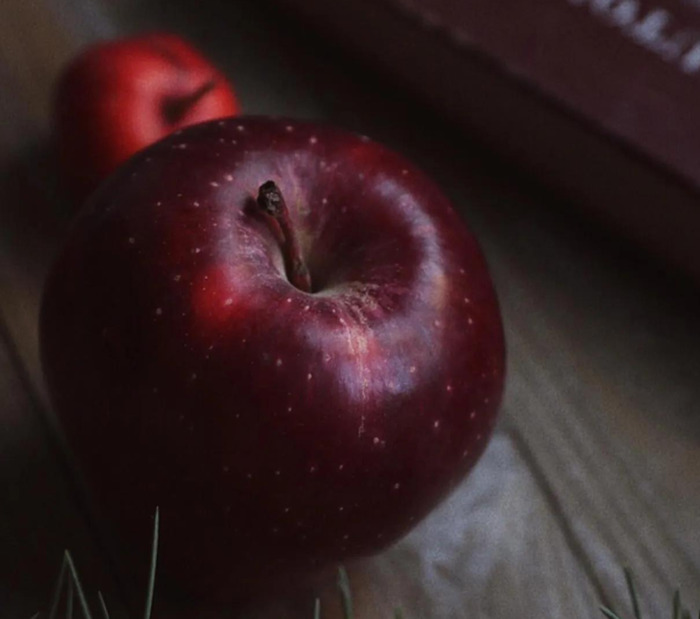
(175, 108)
(271, 202)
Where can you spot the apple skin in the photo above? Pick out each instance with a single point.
(117, 97)
(278, 430)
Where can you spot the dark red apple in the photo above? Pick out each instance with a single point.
(117, 97)
(293, 384)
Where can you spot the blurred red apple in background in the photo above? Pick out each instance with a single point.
(118, 97)
(280, 333)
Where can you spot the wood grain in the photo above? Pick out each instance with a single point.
(594, 462)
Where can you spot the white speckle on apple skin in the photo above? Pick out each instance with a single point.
(412, 369)
(436, 323)
(397, 486)
(309, 376)
(376, 440)
(195, 204)
(448, 388)
(228, 177)
(182, 146)
(289, 128)
(313, 139)
(341, 509)
(159, 311)
(278, 362)
(465, 453)
(225, 469)
(470, 321)
(214, 184)
(193, 376)
(277, 473)
(312, 469)
(436, 424)
(132, 240)
(240, 128)
(472, 415)
(341, 467)
(228, 301)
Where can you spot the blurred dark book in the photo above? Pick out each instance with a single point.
(597, 98)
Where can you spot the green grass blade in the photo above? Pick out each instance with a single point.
(56, 599)
(610, 614)
(69, 599)
(345, 593)
(103, 606)
(78, 587)
(633, 594)
(677, 604)
(317, 609)
(154, 562)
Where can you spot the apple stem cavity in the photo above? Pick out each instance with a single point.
(175, 109)
(271, 202)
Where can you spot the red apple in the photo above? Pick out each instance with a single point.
(118, 97)
(293, 384)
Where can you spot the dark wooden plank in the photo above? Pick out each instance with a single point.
(39, 514)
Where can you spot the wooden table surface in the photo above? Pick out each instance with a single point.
(594, 464)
